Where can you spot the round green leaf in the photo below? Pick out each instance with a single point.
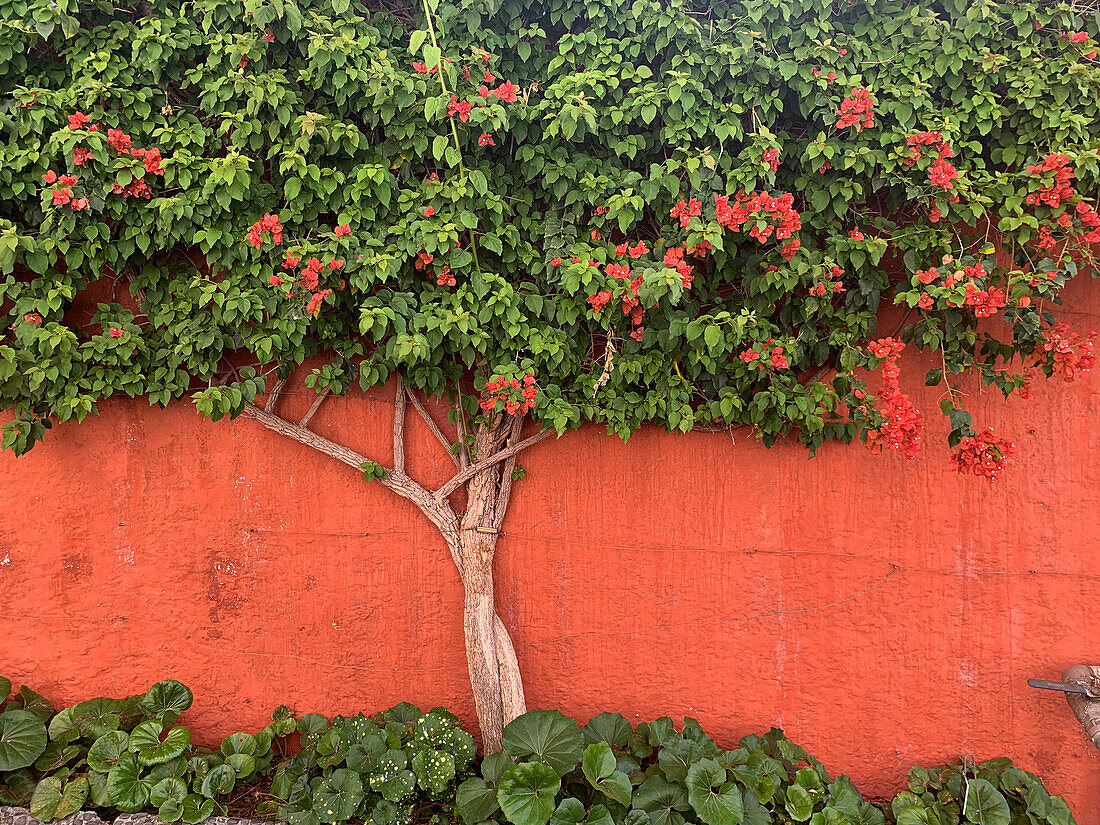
(434, 770)
(219, 780)
(662, 800)
(611, 728)
(55, 756)
(62, 728)
(97, 717)
(157, 751)
(54, 799)
(527, 791)
(22, 739)
(986, 805)
(242, 763)
(170, 811)
(97, 785)
(548, 735)
(17, 788)
(800, 805)
(107, 750)
(167, 700)
(570, 811)
(716, 801)
(475, 801)
(339, 796)
(195, 809)
(125, 786)
(171, 789)
(391, 778)
(598, 762)
(239, 743)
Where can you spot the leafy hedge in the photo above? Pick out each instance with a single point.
(680, 212)
(405, 766)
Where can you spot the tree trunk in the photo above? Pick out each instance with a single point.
(494, 670)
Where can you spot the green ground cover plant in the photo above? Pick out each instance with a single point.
(405, 766)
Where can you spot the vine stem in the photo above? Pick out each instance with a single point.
(454, 129)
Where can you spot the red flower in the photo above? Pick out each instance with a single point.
(506, 92)
(771, 158)
(599, 300)
(485, 140)
(429, 211)
(942, 173)
(421, 68)
(749, 355)
(116, 332)
(76, 121)
(925, 301)
(638, 250)
(857, 110)
(856, 235)
(555, 262)
(81, 155)
(50, 176)
(269, 36)
(33, 317)
(342, 230)
(61, 196)
(80, 203)
(459, 107)
(831, 76)
(489, 77)
(67, 180)
(275, 280)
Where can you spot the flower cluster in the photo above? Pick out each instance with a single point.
(858, 110)
(1068, 351)
(64, 195)
(1058, 190)
(686, 210)
(268, 223)
(979, 293)
(1081, 225)
(506, 390)
(942, 173)
(901, 421)
(934, 139)
(983, 455)
(775, 355)
(771, 158)
(768, 215)
(827, 286)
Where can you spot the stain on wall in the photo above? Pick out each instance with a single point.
(884, 612)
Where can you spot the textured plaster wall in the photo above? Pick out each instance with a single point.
(883, 612)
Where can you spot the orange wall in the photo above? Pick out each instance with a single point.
(883, 612)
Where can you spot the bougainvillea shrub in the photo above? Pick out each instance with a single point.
(545, 213)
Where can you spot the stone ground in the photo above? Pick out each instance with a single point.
(21, 816)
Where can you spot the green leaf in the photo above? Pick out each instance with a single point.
(126, 787)
(5, 688)
(416, 40)
(548, 735)
(338, 796)
(169, 789)
(22, 739)
(239, 743)
(107, 750)
(195, 809)
(527, 791)
(167, 700)
(799, 804)
(96, 717)
(218, 781)
(53, 798)
(985, 804)
(611, 728)
(599, 768)
(145, 741)
(662, 800)
(716, 801)
(475, 801)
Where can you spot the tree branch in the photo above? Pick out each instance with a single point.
(316, 405)
(496, 458)
(460, 422)
(505, 493)
(438, 512)
(399, 425)
(438, 433)
(273, 396)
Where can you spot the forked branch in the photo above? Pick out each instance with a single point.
(438, 433)
(461, 478)
(316, 405)
(399, 425)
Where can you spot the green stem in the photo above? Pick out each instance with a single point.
(454, 129)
